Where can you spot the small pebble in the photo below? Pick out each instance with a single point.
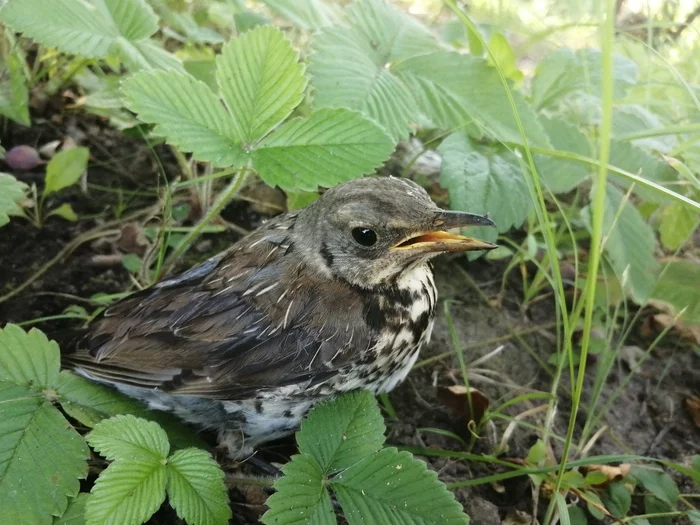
(22, 158)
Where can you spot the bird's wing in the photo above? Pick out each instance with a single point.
(229, 327)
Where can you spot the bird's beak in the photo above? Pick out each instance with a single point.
(436, 239)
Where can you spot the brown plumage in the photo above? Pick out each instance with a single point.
(331, 298)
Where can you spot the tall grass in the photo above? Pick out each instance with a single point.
(585, 306)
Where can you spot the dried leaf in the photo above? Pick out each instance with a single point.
(612, 472)
(693, 406)
(132, 239)
(456, 399)
(688, 331)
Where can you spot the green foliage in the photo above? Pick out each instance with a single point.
(565, 73)
(306, 14)
(340, 444)
(75, 513)
(42, 457)
(679, 288)
(677, 224)
(14, 95)
(454, 90)
(90, 403)
(196, 489)
(135, 484)
(12, 192)
(118, 27)
(629, 245)
(617, 499)
(65, 169)
(261, 82)
(484, 179)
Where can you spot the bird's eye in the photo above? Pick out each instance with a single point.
(364, 236)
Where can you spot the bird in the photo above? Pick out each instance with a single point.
(332, 298)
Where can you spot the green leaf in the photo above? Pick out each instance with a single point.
(595, 477)
(12, 193)
(129, 437)
(573, 478)
(394, 34)
(261, 81)
(75, 513)
(679, 288)
(347, 71)
(187, 113)
(41, 456)
(306, 14)
(331, 146)
(94, 31)
(484, 179)
(577, 516)
(65, 211)
(352, 428)
(594, 504)
(300, 496)
(629, 245)
(617, 499)
(566, 72)
(301, 199)
(537, 453)
(196, 489)
(28, 358)
(658, 483)
(65, 169)
(128, 492)
(694, 516)
(90, 403)
(629, 119)
(454, 90)
(14, 95)
(132, 262)
(655, 505)
(391, 487)
(678, 223)
(562, 175)
(504, 57)
(628, 157)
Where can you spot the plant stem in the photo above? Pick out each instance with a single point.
(224, 198)
(89, 235)
(597, 222)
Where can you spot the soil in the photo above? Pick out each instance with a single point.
(649, 418)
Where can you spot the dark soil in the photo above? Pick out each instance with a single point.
(649, 418)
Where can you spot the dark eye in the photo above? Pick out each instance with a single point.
(364, 236)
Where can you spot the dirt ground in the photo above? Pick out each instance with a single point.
(649, 418)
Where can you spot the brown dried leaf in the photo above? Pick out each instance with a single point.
(456, 399)
(693, 406)
(132, 239)
(612, 472)
(688, 331)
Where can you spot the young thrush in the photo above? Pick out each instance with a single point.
(335, 297)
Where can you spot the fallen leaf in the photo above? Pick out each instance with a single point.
(456, 398)
(132, 239)
(688, 331)
(612, 472)
(693, 406)
(631, 355)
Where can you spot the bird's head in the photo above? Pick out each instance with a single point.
(368, 231)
